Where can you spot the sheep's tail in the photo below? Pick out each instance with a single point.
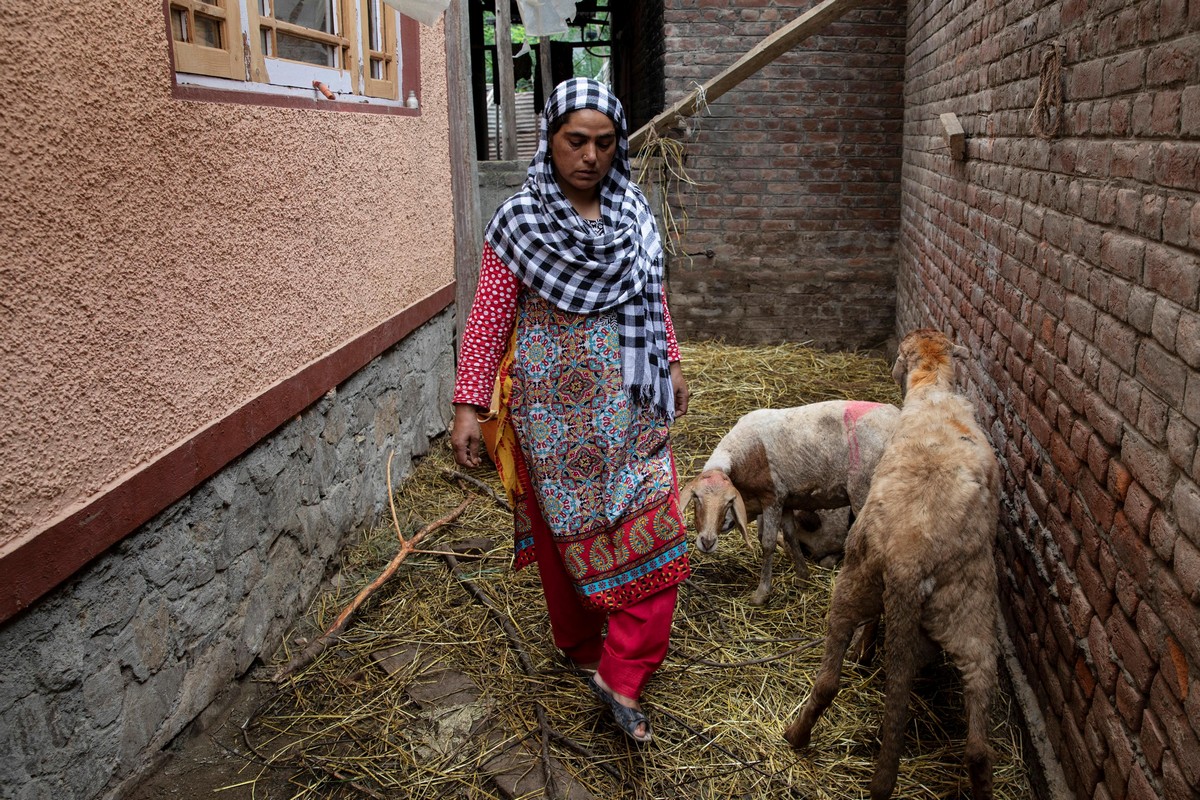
(902, 606)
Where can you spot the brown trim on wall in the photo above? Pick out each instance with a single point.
(36, 563)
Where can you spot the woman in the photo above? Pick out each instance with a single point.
(570, 315)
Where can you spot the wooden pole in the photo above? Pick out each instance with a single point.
(464, 161)
(508, 86)
(545, 67)
(771, 48)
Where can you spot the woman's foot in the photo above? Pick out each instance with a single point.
(626, 710)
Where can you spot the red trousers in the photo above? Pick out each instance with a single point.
(638, 634)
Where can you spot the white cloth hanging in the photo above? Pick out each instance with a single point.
(425, 12)
(544, 17)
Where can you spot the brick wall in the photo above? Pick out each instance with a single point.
(797, 173)
(1071, 269)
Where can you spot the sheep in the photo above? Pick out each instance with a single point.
(816, 456)
(921, 552)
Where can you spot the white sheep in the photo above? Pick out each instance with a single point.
(816, 456)
(921, 552)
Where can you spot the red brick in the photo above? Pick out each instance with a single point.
(1172, 273)
(1176, 164)
(1181, 739)
(1103, 666)
(1099, 595)
(1175, 610)
(1079, 608)
(1099, 502)
(1138, 507)
(1187, 338)
(1175, 785)
(1170, 63)
(1119, 480)
(1128, 594)
(1130, 703)
(1130, 651)
(1163, 535)
(1140, 786)
(1088, 771)
(1130, 547)
(1187, 566)
(1149, 465)
(1122, 255)
(1124, 73)
(1105, 419)
(1152, 738)
(1152, 418)
(1185, 500)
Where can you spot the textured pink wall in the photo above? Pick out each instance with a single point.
(166, 261)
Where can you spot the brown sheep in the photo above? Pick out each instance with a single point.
(921, 552)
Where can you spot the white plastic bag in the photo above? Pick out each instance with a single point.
(544, 17)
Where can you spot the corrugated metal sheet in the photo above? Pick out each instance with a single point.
(527, 128)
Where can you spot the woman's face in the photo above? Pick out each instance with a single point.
(582, 150)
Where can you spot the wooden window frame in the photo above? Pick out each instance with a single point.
(247, 69)
(227, 62)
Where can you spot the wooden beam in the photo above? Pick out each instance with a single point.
(464, 162)
(771, 48)
(508, 85)
(545, 69)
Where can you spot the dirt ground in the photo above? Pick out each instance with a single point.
(213, 760)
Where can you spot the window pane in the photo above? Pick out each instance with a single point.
(315, 14)
(374, 28)
(179, 24)
(305, 50)
(377, 69)
(208, 31)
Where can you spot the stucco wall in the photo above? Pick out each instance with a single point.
(1070, 268)
(165, 261)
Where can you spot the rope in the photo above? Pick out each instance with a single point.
(1046, 117)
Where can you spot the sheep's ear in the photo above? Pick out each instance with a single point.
(739, 515)
(960, 352)
(686, 494)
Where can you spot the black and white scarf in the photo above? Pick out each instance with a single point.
(556, 253)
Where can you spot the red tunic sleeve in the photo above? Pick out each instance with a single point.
(489, 325)
(672, 343)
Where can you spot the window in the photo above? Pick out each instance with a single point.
(349, 47)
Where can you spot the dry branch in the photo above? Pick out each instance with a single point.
(407, 546)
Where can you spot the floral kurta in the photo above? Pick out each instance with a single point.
(597, 468)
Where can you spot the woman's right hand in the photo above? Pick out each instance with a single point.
(466, 437)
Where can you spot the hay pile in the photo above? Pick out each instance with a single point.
(364, 720)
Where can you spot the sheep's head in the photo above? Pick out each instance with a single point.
(715, 497)
(925, 357)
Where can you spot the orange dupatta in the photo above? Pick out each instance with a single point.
(497, 429)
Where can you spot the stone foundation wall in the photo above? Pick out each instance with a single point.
(103, 672)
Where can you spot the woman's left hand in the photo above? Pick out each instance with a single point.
(679, 384)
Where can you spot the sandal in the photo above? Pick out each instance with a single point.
(627, 718)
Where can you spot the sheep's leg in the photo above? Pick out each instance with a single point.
(768, 532)
(970, 640)
(855, 599)
(902, 609)
(792, 536)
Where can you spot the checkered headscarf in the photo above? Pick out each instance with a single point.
(556, 253)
